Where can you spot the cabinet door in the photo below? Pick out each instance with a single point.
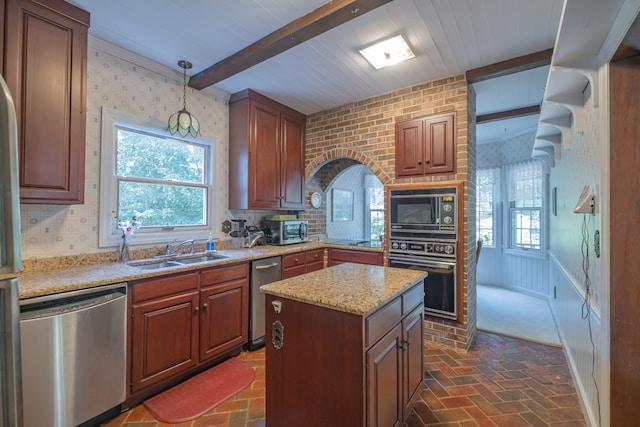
(224, 318)
(292, 167)
(384, 381)
(45, 69)
(440, 141)
(164, 338)
(264, 157)
(412, 331)
(409, 148)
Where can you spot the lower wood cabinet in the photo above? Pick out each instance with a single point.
(299, 263)
(395, 372)
(182, 321)
(361, 370)
(339, 256)
(224, 317)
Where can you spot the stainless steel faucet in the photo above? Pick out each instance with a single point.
(170, 250)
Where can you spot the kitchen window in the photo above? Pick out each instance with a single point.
(526, 202)
(146, 170)
(487, 198)
(375, 206)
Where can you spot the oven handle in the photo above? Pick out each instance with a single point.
(422, 263)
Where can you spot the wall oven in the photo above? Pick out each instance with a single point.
(440, 295)
(423, 235)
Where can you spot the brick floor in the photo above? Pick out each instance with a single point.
(499, 382)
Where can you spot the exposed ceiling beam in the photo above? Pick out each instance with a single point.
(510, 114)
(510, 66)
(322, 19)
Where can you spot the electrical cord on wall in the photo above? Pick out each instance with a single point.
(586, 305)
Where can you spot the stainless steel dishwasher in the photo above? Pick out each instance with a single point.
(73, 355)
(263, 271)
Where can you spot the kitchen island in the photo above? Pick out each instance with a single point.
(344, 346)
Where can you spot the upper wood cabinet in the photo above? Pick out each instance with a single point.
(45, 61)
(266, 154)
(426, 146)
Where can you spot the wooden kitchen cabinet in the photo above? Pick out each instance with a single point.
(367, 370)
(45, 61)
(224, 318)
(299, 263)
(339, 256)
(426, 146)
(266, 154)
(181, 322)
(164, 332)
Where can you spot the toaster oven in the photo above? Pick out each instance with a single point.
(285, 232)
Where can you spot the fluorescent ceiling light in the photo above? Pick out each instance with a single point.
(387, 52)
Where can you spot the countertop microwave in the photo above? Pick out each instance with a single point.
(285, 232)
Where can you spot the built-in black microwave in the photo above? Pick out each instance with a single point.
(423, 211)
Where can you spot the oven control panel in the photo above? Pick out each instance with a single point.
(445, 249)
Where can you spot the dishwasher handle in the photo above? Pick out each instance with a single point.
(267, 266)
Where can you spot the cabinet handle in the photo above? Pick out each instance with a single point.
(419, 162)
(296, 260)
(195, 310)
(426, 161)
(405, 345)
(204, 306)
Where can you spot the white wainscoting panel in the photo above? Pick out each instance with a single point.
(528, 275)
(568, 309)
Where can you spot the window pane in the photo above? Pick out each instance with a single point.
(525, 228)
(170, 204)
(142, 155)
(377, 224)
(487, 188)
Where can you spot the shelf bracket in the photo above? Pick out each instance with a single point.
(587, 67)
(563, 124)
(556, 143)
(547, 152)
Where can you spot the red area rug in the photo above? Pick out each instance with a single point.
(201, 393)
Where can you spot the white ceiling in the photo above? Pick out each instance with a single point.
(448, 36)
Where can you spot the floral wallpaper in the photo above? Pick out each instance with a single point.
(55, 230)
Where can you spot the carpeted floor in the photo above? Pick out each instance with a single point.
(506, 312)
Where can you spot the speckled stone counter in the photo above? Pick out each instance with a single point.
(352, 288)
(55, 275)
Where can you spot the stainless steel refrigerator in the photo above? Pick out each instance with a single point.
(10, 265)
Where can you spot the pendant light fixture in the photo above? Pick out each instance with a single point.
(183, 121)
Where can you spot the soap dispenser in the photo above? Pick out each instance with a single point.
(210, 244)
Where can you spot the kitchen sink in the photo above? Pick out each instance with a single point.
(201, 258)
(154, 264)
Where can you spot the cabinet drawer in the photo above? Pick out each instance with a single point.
(225, 274)
(316, 255)
(156, 288)
(380, 322)
(413, 298)
(339, 256)
(294, 260)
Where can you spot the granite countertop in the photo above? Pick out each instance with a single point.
(352, 288)
(65, 275)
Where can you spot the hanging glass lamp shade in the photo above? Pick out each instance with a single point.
(183, 122)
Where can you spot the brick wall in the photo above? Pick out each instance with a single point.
(364, 131)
